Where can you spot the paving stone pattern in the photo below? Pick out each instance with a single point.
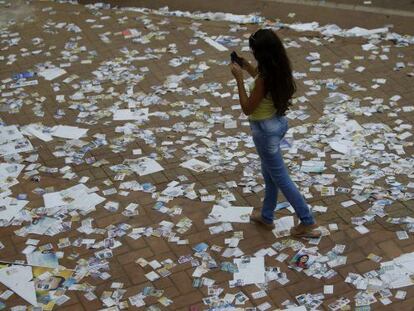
(178, 286)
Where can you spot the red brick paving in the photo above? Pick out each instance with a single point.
(178, 286)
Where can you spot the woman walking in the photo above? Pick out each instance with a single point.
(266, 107)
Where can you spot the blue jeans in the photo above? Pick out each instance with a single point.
(267, 135)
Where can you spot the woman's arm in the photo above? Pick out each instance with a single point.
(250, 68)
(248, 104)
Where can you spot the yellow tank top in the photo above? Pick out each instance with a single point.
(265, 110)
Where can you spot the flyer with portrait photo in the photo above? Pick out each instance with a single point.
(303, 259)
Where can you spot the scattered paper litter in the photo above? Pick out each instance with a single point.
(357, 147)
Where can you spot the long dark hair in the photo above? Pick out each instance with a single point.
(274, 67)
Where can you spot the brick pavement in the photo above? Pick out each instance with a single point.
(178, 287)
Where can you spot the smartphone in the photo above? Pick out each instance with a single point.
(236, 59)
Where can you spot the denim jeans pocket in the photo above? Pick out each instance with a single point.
(274, 126)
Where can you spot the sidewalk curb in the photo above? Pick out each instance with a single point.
(349, 7)
(343, 15)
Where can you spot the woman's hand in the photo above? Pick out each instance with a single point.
(249, 67)
(244, 63)
(237, 71)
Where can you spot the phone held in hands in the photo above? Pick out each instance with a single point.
(236, 59)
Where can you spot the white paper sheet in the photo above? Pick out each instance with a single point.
(39, 259)
(19, 280)
(362, 32)
(215, 44)
(129, 114)
(195, 165)
(348, 126)
(284, 223)
(9, 133)
(145, 166)
(313, 166)
(41, 226)
(52, 73)
(10, 170)
(342, 146)
(74, 198)
(239, 214)
(252, 272)
(34, 130)
(86, 202)
(53, 199)
(69, 132)
(16, 146)
(399, 276)
(304, 26)
(11, 207)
